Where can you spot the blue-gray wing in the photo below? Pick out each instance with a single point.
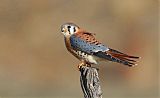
(99, 50)
(80, 44)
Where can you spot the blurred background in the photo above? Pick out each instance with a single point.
(35, 63)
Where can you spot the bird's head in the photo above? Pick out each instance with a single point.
(69, 29)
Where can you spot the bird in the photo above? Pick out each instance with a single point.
(84, 46)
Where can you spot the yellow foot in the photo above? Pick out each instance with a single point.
(88, 65)
(81, 65)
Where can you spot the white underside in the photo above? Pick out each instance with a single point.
(91, 59)
(88, 58)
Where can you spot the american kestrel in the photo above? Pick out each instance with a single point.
(88, 50)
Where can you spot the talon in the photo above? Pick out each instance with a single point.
(81, 65)
(88, 65)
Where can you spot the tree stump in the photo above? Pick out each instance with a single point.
(90, 82)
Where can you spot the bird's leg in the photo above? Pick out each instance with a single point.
(88, 64)
(81, 65)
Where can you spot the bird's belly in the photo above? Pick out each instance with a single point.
(86, 57)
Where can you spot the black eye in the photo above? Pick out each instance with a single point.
(62, 30)
(69, 27)
(74, 29)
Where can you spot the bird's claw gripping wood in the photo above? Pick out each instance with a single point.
(84, 46)
(82, 64)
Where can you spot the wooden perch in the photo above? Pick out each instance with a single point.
(90, 82)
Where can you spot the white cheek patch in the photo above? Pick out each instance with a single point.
(72, 29)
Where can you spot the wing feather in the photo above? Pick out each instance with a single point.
(86, 42)
(118, 57)
(83, 42)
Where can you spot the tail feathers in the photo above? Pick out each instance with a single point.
(122, 58)
(122, 54)
(119, 57)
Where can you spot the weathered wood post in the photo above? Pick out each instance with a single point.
(90, 83)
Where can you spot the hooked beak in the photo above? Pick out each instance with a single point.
(64, 30)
